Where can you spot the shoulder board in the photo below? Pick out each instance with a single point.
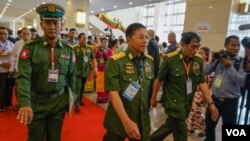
(74, 46)
(149, 57)
(171, 54)
(33, 41)
(88, 46)
(119, 55)
(198, 55)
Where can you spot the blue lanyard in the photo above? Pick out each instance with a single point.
(139, 66)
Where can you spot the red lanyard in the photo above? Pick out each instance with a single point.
(52, 57)
(187, 68)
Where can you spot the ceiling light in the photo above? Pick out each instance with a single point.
(102, 9)
(9, 0)
(92, 11)
(130, 3)
(4, 9)
(115, 6)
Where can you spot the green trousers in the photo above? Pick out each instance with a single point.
(48, 118)
(172, 125)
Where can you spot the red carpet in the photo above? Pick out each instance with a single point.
(87, 125)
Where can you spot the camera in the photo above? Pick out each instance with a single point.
(102, 48)
(246, 42)
(220, 54)
(106, 29)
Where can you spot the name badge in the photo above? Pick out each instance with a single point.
(53, 75)
(131, 91)
(85, 59)
(189, 86)
(218, 81)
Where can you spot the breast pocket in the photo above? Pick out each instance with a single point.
(64, 65)
(127, 79)
(177, 76)
(39, 66)
(196, 76)
(148, 79)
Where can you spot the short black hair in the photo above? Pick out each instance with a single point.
(73, 29)
(132, 28)
(228, 39)
(157, 38)
(79, 36)
(187, 37)
(164, 44)
(33, 30)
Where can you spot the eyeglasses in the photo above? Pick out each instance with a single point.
(141, 37)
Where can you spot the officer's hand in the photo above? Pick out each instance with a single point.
(214, 112)
(132, 130)
(226, 62)
(25, 115)
(153, 102)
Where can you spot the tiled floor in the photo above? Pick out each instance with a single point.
(159, 119)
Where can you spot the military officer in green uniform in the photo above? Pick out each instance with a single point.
(181, 73)
(129, 79)
(84, 62)
(46, 67)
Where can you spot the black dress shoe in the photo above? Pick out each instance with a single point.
(77, 109)
(82, 103)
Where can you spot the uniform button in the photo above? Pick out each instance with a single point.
(149, 77)
(141, 79)
(142, 98)
(141, 107)
(142, 89)
(174, 100)
(130, 79)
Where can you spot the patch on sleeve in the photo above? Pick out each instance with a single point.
(25, 53)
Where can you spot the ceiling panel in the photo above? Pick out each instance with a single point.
(19, 7)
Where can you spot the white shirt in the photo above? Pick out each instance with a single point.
(123, 47)
(5, 49)
(15, 54)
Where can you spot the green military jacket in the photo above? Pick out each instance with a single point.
(172, 72)
(83, 57)
(33, 66)
(120, 71)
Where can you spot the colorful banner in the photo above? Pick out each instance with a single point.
(111, 22)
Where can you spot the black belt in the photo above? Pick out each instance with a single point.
(47, 96)
(223, 99)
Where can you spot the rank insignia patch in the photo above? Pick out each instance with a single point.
(25, 53)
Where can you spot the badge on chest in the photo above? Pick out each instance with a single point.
(129, 68)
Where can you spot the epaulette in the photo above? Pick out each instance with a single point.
(171, 54)
(119, 55)
(32, 41)
(198, 55)
(74, 46)
(89, 45)
(149, 57)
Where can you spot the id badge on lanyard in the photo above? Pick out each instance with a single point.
(52, 73)
(85, 59)
(218, 81)
(131, 91)
(189, 86)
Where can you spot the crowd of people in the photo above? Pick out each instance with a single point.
(128, 74)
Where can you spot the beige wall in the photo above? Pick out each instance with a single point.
(70, 15)
(217, 17)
